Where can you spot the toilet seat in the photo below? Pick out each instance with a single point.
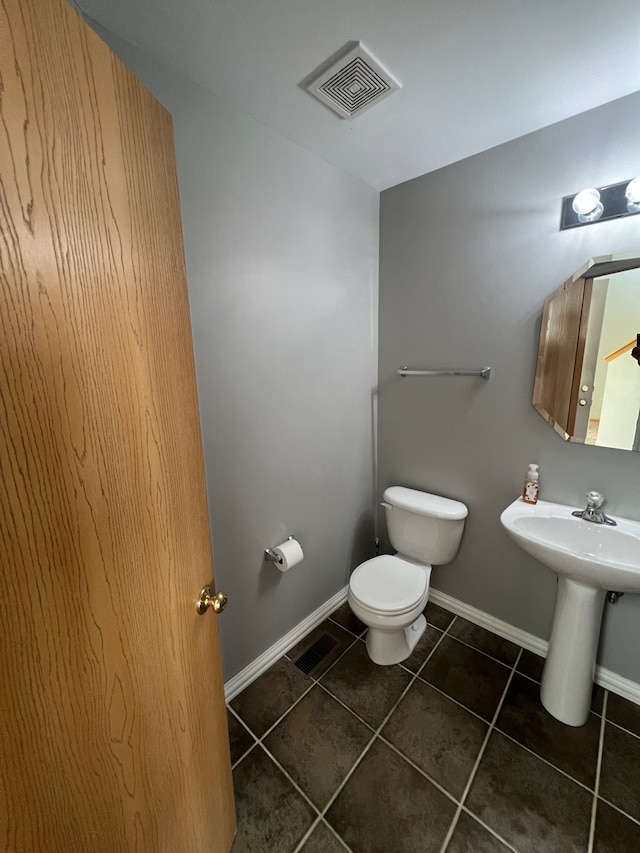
(389, 584)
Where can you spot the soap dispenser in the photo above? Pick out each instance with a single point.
(531, 485)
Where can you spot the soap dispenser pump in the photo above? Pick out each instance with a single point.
(531, 485)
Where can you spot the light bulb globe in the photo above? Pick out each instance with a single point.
(633, 195)
(587, 205)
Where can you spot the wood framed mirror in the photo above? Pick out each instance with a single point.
(587, 383)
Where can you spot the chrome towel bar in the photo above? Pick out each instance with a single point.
(484, 372)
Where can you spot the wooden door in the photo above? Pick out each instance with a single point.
(112, 723)
(561, 353)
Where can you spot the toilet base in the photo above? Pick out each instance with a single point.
(386, 647)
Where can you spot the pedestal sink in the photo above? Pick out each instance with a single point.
(589, 559)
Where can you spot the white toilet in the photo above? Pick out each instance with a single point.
(389, 593)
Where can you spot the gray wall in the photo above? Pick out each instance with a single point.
(467, 256)
(282, 260)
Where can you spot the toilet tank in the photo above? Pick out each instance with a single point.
(425, 527)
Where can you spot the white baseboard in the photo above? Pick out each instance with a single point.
(618, 684)
(486, 620)
(604, 677)
(262, 663)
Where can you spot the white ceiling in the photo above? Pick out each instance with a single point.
(474, 73)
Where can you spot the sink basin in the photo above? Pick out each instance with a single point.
(589, 559)
(595, 554)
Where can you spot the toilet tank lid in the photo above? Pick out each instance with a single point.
(423, 503)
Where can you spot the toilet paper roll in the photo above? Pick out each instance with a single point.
(290, 554)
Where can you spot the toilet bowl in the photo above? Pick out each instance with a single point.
(389, 593)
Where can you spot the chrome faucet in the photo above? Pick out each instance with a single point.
(592, 512)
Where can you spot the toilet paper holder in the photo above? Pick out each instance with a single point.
(270, 555)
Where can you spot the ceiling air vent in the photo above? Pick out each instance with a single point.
(353, 83)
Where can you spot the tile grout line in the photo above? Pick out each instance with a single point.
(377, 736)
(478, 717)
(514, 671)
(443, 634)
(295, 785)
(314, 825)
(619, 726)
(472, 775)
(548, 763)
(355, 638)
(343, 653)
(341, 624)
(481, 651)
(293, 782)
(313, 682)
(391, 745)
(545, 761)
(413, 676)
(347, 708)
(510, 737)
(455, 701)
(344, 627)
(447, 793)
(509, 666)
(591, 710)
(358, 761)
(376, 733)
(409, 761)
(282, 716)
(259, 741)
(622, 728)
(594, 805)
(245, 726)
(340, 839)
(621, 811)
(244, 755)
(318, 822)
(486, 826)
(320, 814)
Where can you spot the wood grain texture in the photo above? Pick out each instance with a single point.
(560, 353)
(113, 734)
(574, 397)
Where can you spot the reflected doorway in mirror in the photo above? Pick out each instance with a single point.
(587, 387)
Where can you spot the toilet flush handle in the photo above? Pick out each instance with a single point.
(385, 505)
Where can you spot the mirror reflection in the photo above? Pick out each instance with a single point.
(587, 383)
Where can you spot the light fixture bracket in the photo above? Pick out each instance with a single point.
(614, 202)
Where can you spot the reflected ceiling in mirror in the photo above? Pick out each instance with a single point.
(587, 384)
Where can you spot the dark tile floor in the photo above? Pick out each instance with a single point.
(450, 750)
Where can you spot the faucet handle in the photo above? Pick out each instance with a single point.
(594, 500)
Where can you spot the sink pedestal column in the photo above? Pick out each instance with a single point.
(567, 679)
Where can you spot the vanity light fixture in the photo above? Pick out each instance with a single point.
(597, 204)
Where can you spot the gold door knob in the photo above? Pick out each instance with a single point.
(208, 599)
